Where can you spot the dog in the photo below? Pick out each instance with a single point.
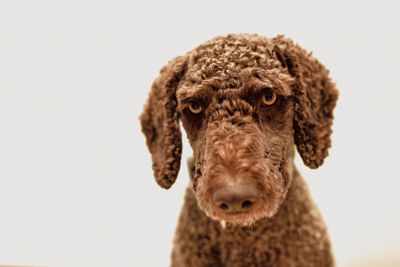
(246, 103)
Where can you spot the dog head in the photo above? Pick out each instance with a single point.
(245, 102)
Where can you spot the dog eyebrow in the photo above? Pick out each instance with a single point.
(277, 89)
(255, 81)
(186, 94)
(257, 86)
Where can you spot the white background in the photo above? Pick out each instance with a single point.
(76, 186)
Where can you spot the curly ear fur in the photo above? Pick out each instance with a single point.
(315, 98)
(160, 123)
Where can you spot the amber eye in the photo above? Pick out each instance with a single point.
(195, 108)
(269, 98)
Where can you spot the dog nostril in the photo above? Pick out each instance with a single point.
(224, 206)
(235, 197)
(246, 204)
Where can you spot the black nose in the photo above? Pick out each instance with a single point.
(235, 197)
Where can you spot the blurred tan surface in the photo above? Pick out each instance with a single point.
(390, 259)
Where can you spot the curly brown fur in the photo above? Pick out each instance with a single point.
(235, 137)
(295, 236)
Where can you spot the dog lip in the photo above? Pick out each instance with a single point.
(234, 214)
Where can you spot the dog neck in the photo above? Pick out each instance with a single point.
(190, 166)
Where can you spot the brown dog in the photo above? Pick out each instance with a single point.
(245, 102)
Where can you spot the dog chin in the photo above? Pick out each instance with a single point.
(241, 219)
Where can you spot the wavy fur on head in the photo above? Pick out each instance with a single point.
(234, 135)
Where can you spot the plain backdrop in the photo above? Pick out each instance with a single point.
(76, 185)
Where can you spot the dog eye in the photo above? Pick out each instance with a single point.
(269, 98)
(195, 108)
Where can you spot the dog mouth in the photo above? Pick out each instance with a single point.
(238, 198)
(241, 203)
(239, 218)
(237, 206)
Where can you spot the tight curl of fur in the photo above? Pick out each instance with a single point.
(216, 90)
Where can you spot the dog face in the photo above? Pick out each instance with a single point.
(244, 102)
(240, 136)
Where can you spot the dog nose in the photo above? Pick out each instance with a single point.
(235, 197)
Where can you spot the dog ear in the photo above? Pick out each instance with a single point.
(160, 123)
(315, 97)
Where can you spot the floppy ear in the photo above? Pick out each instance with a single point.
(315, 97)
(160, 123)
